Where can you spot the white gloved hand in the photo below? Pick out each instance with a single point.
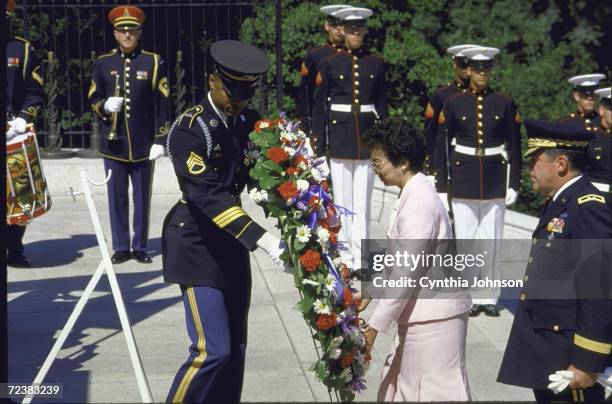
(605, 379)
(157, 151)
(18, 126)
(274, 248)
(560, 380)
(113, 104)
(511, 196)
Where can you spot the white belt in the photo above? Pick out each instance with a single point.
(601, 186)
(472, 151)
(353, 108)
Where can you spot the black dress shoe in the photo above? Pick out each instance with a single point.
(490, 310)
(18, 262)
(142, 257)
(120, 257)
(475, 310)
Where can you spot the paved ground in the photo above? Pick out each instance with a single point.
(94, 365)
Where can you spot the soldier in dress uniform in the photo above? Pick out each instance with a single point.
(207, 235)
(584, 95)
(24, 100)
(129, 92)
(461, 71)
(311, 64)
(599, 167)
(480, 127)
(351, 95)
(564, 314)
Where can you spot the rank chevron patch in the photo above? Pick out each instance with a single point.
(195, 164)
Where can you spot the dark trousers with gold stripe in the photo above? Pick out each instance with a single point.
(217, 326)
(141, 175)
(594, 394)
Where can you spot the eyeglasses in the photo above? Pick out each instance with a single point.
(377, 164)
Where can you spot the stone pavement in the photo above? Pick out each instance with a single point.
(94, 365)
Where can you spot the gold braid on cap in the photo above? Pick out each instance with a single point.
(539, 143)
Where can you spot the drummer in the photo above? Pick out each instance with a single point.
(24, 99)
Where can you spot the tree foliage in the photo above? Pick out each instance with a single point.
(542, 44)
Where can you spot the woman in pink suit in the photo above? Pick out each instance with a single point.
(427, 359)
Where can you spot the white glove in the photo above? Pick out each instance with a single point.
(511, 196)
(605, 379)
(18, 126)
(560, 380)
(113, 104)
(274, 248)
(157, 151)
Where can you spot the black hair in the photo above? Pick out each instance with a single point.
(400, 140)
(577, 158)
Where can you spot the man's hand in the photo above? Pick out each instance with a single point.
(113, 104)
(581, 379)
(511, 196)
(370, 336)
(364, 300)
(157, 151)
(274, 248)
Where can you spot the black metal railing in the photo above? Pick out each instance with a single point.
(75, 32)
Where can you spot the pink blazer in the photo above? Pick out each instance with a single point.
(420, 216)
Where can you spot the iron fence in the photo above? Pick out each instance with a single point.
(70, 34)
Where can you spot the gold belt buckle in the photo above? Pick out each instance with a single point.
(480, 152)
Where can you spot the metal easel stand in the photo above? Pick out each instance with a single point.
(104, 266)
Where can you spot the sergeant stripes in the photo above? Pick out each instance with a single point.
(228, 216)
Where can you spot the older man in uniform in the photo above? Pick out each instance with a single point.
(481, 128)
(564, 315)
(351, 95)
(584, 95)
(207, 235)
(312, 61)
(129, 92)
(461, 72)
(599, 166)
(24, 100)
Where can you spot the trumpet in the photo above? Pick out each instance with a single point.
(113, 135)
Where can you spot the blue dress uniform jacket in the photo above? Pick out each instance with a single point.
(562, 318)
(599, 167)
(355, 79)
(308, 71)
(207, 236)
(144, 119)
(478, 121)
(24, 83)
(587, 121)
(432, 113)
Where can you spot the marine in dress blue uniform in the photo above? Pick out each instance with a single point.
(480, 128)
(599, 166)
(351, 95)
(586, 115)
(312, 63)
(24, 100)
(439, 96)
(564, 314)
(207, 235)
(140, 106)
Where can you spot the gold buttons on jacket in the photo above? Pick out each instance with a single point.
(357, 83)
(181, 224)
(526, 278)
(530, 260)
(356, 66)
(342, 77)
(555, 327)
(523, 297)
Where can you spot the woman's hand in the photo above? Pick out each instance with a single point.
(370, 336)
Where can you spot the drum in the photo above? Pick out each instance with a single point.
(27, 196)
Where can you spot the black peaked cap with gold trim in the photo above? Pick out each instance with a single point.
(555, 135)
(239, 66)
(126, 17)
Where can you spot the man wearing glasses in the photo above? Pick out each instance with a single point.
(129, 93)
(351, 95)
(312, 63)
(584, 95)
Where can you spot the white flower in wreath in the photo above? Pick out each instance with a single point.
(321, 307)
(287, 137)
(303, 234)
(258, 196)
(251, 154)
(297, 214)
(289, 150)
(334, 347)
(335, 353)
(337, 261)
(302, 185)
(300, 134)
(346, 374)
(330, 283)
(357, 338)
(323, 235)
(309, 282)
(320, 169)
